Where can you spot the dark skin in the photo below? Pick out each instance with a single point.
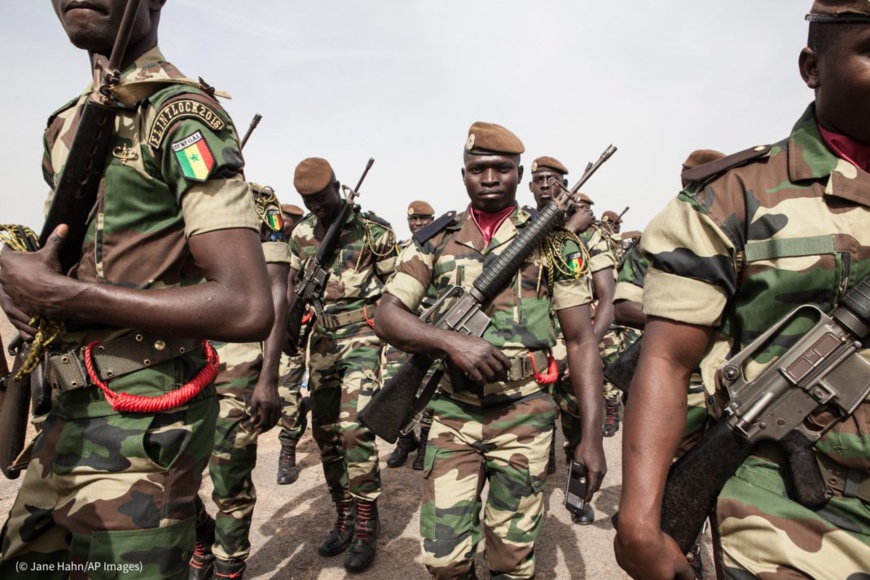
(418, 222)
(543, 187)
(656, 411)
(629, 313)
(491, 182)
(232, 305)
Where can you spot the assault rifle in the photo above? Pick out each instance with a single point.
(254, 122)
(395, 405)
(823, 371)
(310, 281)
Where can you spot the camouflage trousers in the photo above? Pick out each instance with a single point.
(291, 374)
(344, 375)
(507, 446)
(754, 510)
(235, 452)
(110, 496)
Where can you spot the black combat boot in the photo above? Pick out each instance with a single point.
(584, 518)
(421, 450)
(405, 445)
(202, 561)
(340, 536)
(551, 461)
(287, 470)
(365, 540)
(611, 422)
(229, 569)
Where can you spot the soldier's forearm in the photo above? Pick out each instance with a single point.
(629, 313)
(395, 325)
(273, 344)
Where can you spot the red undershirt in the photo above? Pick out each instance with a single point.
(847, 148)
(488, 223)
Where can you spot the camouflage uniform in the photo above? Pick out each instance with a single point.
(737, 252)
(235, 443)
(600, 257)
(345, 363)
(630, 287)
(106, 487)
(500, 432)
(291, 375)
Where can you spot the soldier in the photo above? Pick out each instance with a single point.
(291, 376)
(753, 236)
(488, 428)
(345, 357)
(247, 389)
(171, 251)
(420, 215)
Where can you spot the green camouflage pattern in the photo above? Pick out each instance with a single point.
(364, 259)
(344, 375)
(601, 253)
(737, 253)
(291, 375)
(521, 320)
(139, 240)
(469, 445)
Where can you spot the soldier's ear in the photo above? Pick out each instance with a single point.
(156, 4)
(463, 175)
(520, 173)
(808, 62)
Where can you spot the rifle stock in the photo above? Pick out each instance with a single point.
(13, 417)
(389, 415)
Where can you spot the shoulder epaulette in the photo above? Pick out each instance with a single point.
(423, 235)
(373, 217)
(530, 210)
(60, 110)
(705, 172)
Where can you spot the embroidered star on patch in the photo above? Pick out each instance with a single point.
(194, 157)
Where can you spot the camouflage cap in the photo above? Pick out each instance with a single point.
(702, 157)
(421, 208)
(585, 198)
(550, 163)
(312, 176)
(489, 138)
(612, 217)
(840, 11)
(292, 210)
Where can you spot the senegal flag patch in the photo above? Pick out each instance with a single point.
(575, 262)
(194, 157)
(274, 219)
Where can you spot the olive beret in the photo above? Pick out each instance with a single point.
(586, 198)
(701, 157)
(290, 209)
(313, 175)
(612, 217)
(550, 163)
(420, 208)
(845, 11)
(487, 138)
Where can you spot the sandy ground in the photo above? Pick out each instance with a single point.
(291, 520)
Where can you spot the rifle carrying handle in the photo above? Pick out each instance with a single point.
(498, 275)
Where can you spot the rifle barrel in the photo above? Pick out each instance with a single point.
(254, 122)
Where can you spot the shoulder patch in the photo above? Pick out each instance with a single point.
(194, 157)
(714, 168)
(372, 217)
(189, 105)
(268, 208)
(423, 235)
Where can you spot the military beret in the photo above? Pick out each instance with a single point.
(487, 138)
(612, 217)
(420, 208)
(550, 163)
(839, 11)
(290, 209)
(585, 198)
(702, 157)
(312, 176)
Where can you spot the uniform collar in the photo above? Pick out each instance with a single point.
(469, 235)
(809, 158)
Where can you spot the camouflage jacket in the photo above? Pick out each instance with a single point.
(600, 251)
(742, 249)
(629, 285)
(521, 320)
(174, 170)
(364, 259)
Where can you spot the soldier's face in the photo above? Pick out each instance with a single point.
(840, 75)
(418, 222)
(491, 180)
(93, 24)
(541, 187)
(324, 204)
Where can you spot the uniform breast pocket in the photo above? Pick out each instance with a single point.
(445, 273)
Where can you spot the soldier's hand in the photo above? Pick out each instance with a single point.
(478, 359)
(32, 279)
(592, 456)
(651, 555)
(265, 407)
(580, 220)
(19, 319)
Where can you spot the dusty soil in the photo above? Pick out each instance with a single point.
(291, 520)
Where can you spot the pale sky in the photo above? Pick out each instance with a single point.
(401, 81)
